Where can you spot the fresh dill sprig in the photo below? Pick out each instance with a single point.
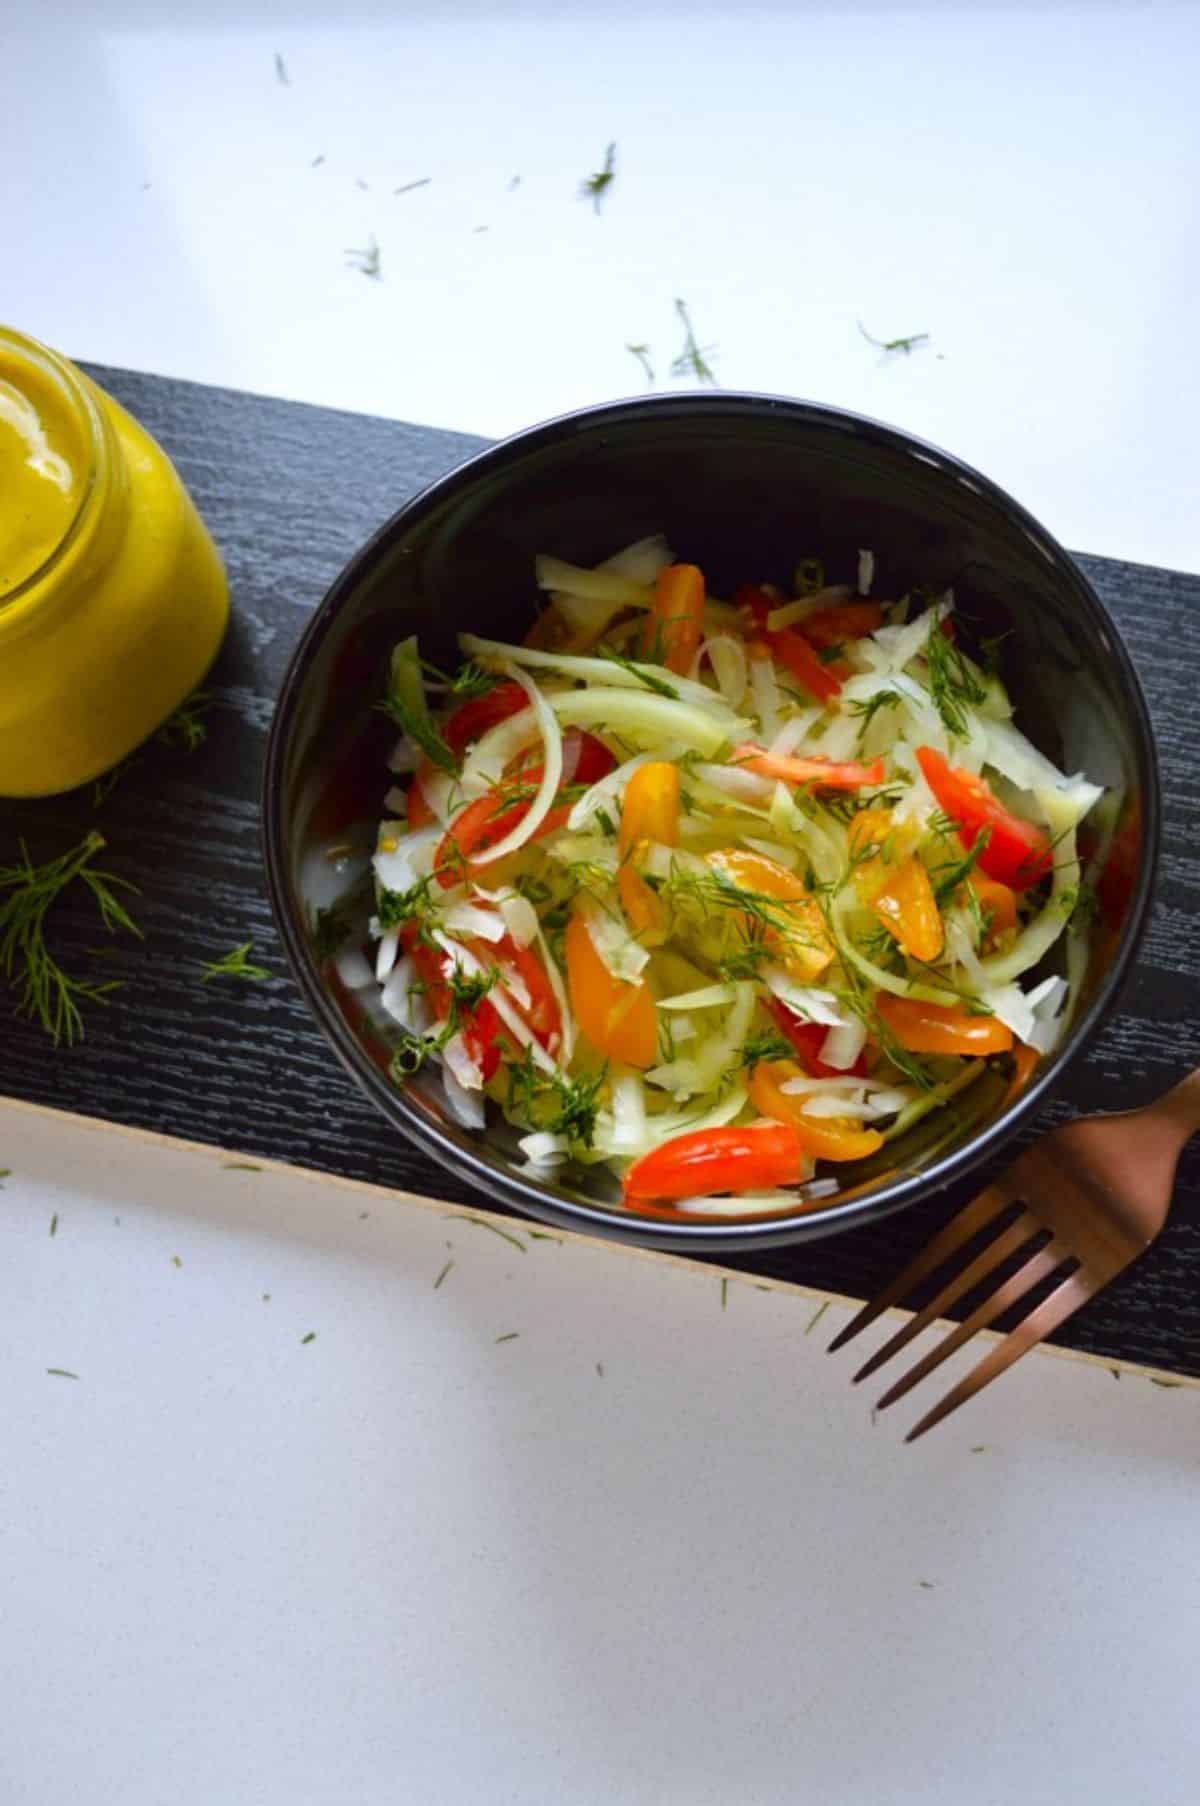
(766, 1047)
(575, 1106)
(366, 261)
(907, 344)
(650, 678)
(185, 727)
(949, 876)
(235, 964)
(693, 359)
(594, 188)
(44, 991)
(393, 907)
(952, 683)
(642, 354)
(867, 711)
(468, 989)
(472, 680)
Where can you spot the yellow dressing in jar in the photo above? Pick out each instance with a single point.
(113, 601)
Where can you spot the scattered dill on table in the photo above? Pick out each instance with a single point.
(482, 1223)
(816, 1317)
(594, 188)
(724, 1293)
(407, 187)
(281, 72)
(310, 1337)
(907, 344)
(510, 1337)
(317, 161)
(514, 183)
(642, 354)
(62, 1373)
(693, 359)
(185, 727)
(240, 1166)
(54, 1224)
(445, 1270)
(176, 1261)
(235, 964)
(367, 260)
(45, 991)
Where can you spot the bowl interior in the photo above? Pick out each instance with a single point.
(743, 487)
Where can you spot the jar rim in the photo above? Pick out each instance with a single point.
(87, 416)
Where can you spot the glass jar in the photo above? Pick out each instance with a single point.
(113, 601)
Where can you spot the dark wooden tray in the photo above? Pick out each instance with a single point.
(290, 491)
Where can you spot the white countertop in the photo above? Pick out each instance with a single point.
(1017, 181)
(310, 1529)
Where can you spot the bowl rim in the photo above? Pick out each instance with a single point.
(525, 1193)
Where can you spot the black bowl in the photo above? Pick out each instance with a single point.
(742, 485)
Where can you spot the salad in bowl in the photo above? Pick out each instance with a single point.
(724, 893)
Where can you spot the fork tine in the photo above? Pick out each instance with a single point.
(957, 1286)
(1065, 1299)
(970, 1220)
(1039, 1266)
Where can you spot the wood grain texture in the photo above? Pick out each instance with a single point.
(290, 491)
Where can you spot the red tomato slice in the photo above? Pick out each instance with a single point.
(755, 1158)
(1017, 853)
(789, 647)
(480, 1029)
(825, 774)
(542, 1013)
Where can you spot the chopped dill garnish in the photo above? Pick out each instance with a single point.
(952, 683)
(281, 72)
(472, 680)
(575, 1100)
(62, 1373)
(44, 991)
(407, 187)
(175, 1261)
(512, 1336)
(829, 655)
(310, 1337)
(908, 344)
(482, 1223)
(642, 354)
(643, 673)
(419, 728)
(594, 188)
(693, 359)
(317, 161)
(185, 727)
(412, 1050)
(867, 711)
(766, 1047)
(240, 1166)
(607, 824)
(367, 260)
(948, 877)
(535, 890)
(235, 964)
(445, 1270)
(724, 1293)
(393, 907)
(54, 1224)
(468, 990)
(816, 1318)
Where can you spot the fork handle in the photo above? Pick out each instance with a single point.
(1180, 1106)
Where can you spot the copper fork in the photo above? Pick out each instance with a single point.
(1089, 1198)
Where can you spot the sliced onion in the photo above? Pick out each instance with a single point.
(386, 953)
(709, 997)
(539, 808)
(458, 1059)
(513, 1022)
(470, 918)
(520, 918)
(495, 750)
(542, 1148)
(764, 689)
(629, 1113)
(809, 1003)
(464, 1104)
(789, 612)
(866, 572)
(411, 859)
(842, 1046)
(402, 999)
(793, 732)
(747, 786)
(727, 656)
(614, 946)
(353, 970)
